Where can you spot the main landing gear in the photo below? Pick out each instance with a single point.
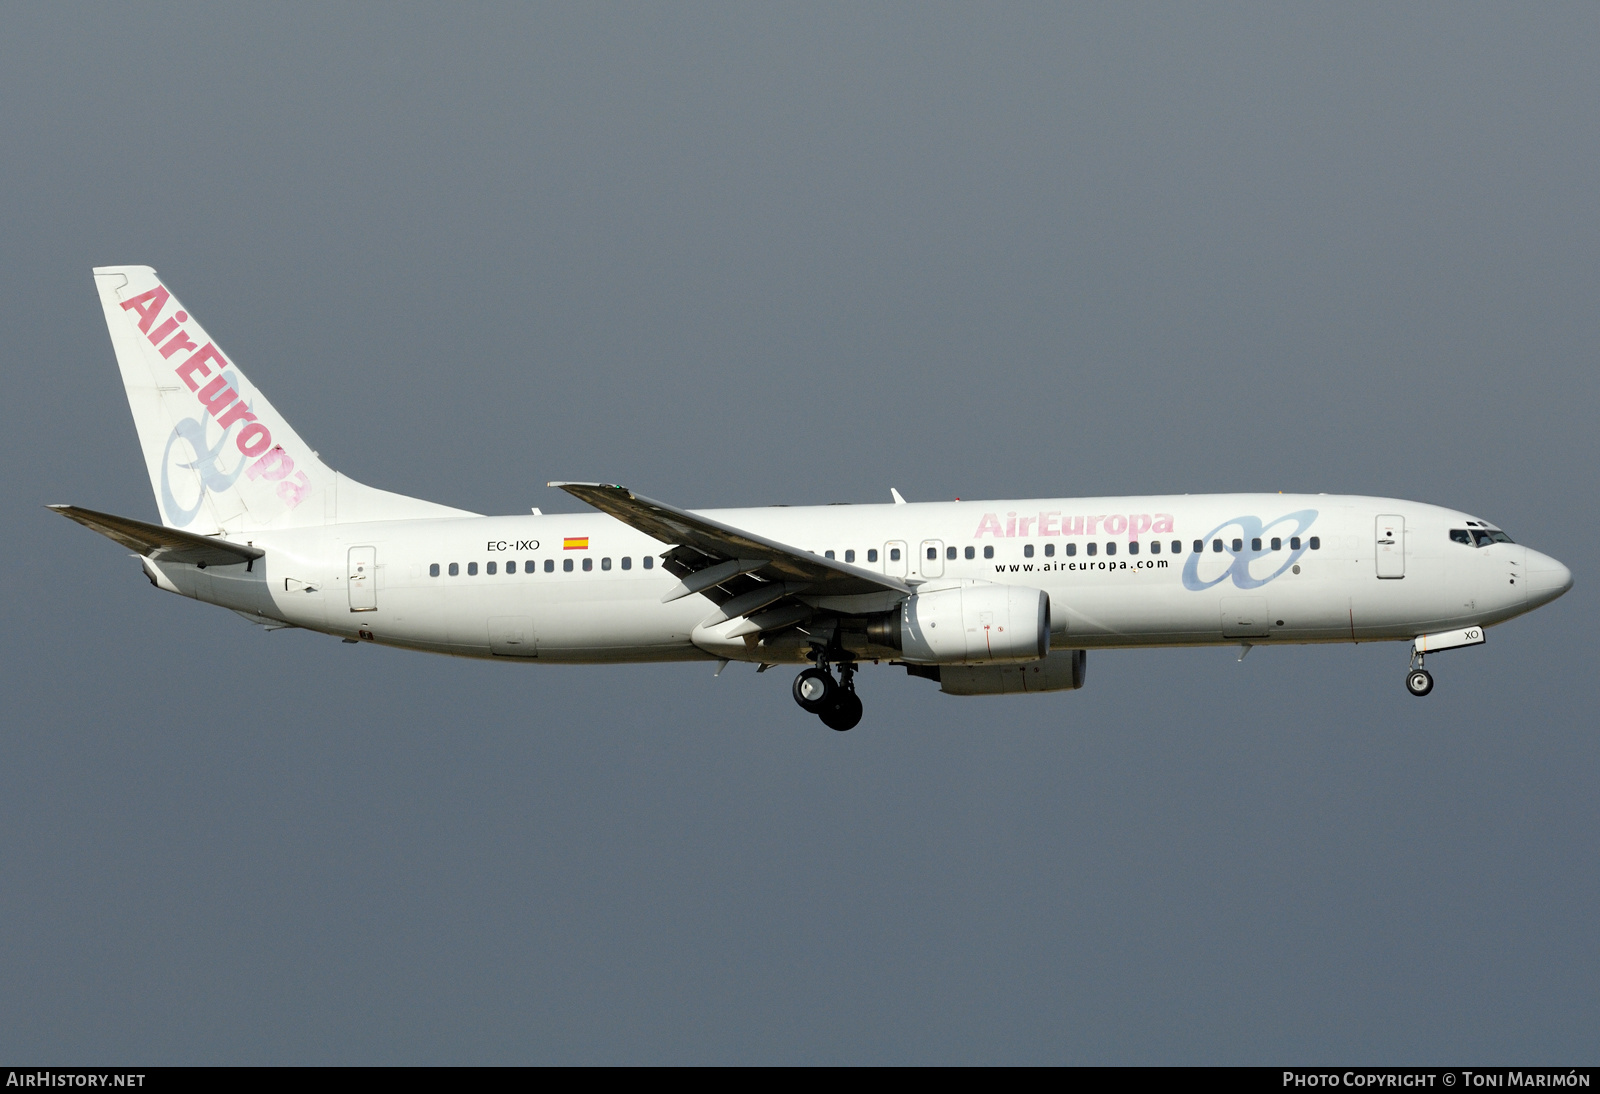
(834, 701)
(1419, 681)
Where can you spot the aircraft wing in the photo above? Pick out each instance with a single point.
(162, 544)
(731, 549)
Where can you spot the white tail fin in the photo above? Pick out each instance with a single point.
(220, 458)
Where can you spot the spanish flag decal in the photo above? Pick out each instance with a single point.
(575, 543)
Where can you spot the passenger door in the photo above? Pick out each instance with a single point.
(1390, 546)
(363, 579)
(931, 562)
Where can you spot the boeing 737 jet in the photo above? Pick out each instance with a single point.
(983, 598)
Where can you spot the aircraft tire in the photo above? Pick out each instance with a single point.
(844, 713)
(814, 690)
(1419, 682)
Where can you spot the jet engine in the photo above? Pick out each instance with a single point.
(979, 623)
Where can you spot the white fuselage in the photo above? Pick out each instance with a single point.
(1119, 572)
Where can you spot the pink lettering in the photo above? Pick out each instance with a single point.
(236, 412)
(179, 341)
(163, 330)
(1093, 523)
(148, 305)
(1116, 525)
(1137, 524)
(216, 395)
(254, 439)
(1163, 523)
(293, 493)
(991, 524)
(1022, 524)
(273, 466)
(197, 363)
(1050, 524)
(1011, 525)
(1072, 526)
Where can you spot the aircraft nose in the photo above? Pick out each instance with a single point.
(1547, 579)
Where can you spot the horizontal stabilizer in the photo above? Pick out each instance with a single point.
(162, 544)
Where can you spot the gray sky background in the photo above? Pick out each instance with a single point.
(742, 254)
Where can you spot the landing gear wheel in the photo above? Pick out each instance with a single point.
(1419, 682)
(814, 690)
(844, 712)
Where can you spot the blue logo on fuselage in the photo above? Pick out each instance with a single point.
(1247, 566)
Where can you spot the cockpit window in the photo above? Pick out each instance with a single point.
(1461, 535)
(1486, 536)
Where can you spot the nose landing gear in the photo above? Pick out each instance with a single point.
(835, 702)
(1419, 681)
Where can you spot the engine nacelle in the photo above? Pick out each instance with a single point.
(979, 623)
(1063, 670)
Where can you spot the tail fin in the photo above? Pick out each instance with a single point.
(220, 458)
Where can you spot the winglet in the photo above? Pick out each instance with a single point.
(898, 500)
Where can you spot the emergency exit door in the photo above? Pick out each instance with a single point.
(895, 562)
(363, 579)
(1391, 546)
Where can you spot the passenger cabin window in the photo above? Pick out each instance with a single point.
(1315, 543)
(1155, 546)
(970, 552)
(649, 562)
(1216, 546)
(433, 571)
(1238, 545)
(849, 556)
(988, 552)
(1111, 548)
(1133, 547)
(588, 564)
(550, 565)
(894, 554)
(489, 568)
(472, 569)
(1049, 550)
(1072, 549)
(933, 554)
(1027, 550)
(566, 565)
(1294, 543)
(1255, 544)
(605, 564)
(827, 554)
(872, 555)
(1091, 548)
(950, 552)
(455, 568)
(1199, 546)
(1177, 546)
(627, 563)
(1277, 544)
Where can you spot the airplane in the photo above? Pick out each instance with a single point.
(983, 598)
